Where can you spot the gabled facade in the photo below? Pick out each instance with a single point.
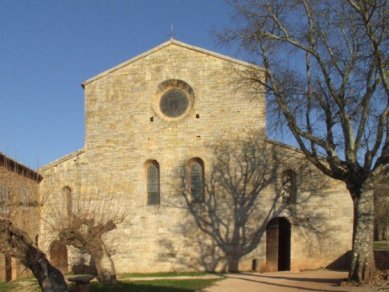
(149, 118)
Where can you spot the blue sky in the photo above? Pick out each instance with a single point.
(48, 48)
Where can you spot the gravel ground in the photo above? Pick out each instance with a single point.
(320, 281)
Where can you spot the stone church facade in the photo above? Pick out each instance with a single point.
(160, 112)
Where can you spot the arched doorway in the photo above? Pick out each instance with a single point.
(278, 244)
(8, 267)
(59, 256)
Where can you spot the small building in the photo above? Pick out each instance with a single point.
(163, 111)
(19, 202)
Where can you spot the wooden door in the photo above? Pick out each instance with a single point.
(278, 233)
(272, 245)
(59, 256)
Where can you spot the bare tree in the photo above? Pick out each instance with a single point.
(326, 65)
(91, 213)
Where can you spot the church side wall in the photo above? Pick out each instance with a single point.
(321, 218)
(164, 237)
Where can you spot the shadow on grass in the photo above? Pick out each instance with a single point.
(162, 285)
(155, 285)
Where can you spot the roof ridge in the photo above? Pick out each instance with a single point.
(61, 159)
(18, 167)
(161, 46)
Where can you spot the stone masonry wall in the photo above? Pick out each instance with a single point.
(124, 129)
(24, 214)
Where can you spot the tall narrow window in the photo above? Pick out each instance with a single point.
(4, 199)
(153, 188)
(25, 197)
(67, 200)
(196, 166)
(289, 186)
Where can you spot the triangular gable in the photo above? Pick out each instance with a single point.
(162, 46)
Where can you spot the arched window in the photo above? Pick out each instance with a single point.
(25, 197)
(153, 188)
(196, 168)
(67, 200)
(4, 199)
(289, 186)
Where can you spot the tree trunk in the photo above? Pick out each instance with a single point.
(233, 263)
(105, 267)
(17, 243)
(50, 279)
(362, 268)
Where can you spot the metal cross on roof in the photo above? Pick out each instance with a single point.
(172, 34)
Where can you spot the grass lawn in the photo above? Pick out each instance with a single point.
(155, 285)
(381, 245)
(23, 285)
(171, 274)
(8, 286)
(163, 285)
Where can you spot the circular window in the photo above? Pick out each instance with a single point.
(174, 103)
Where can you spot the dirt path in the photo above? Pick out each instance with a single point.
(319, 281)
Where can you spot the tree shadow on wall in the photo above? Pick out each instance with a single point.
(243, 191)
(201, 252)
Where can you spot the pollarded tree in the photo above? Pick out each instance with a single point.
(86, 220)
(326, 66)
